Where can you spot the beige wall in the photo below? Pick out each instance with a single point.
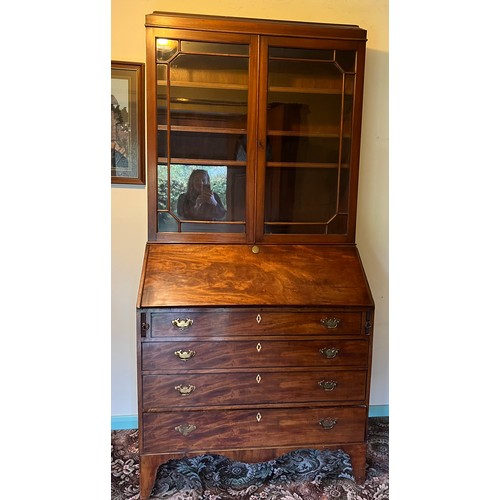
(128, 204)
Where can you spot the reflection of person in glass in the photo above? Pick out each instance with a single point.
(200, 202)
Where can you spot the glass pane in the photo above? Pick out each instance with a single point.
(344, 190)
(211, 227)
(346, 59)
(198, 193)
(166, 48)
(347, 111)
(161, 94)
(203, 146)
(162, 182)
(214, 48)
(300, 53)
(309, 122)
(338, 225)
(303, 149)
(199, 69)
(301, 194)
(295, 229)
(349, 81)
(302, 112)
(167, 223)
(202, 99)
(320, 75)
(162, 142)
(202, 192)
(236, 194)
(220, 108)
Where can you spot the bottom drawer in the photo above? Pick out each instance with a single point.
(217, 430)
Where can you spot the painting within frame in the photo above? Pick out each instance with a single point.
(127, 123)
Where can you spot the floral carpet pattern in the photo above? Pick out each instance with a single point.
(299, 475)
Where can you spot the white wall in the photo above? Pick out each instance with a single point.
(129, 204)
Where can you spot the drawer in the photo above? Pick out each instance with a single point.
(191, 355)
(206, 389)
(200, 431)
(223, 322)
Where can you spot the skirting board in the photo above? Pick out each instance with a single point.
(122, 422)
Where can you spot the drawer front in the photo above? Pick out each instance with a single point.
(224, 322)
(205, 389)
(217, 430)
(191, 355)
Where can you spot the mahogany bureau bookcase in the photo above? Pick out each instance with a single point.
(254, 314)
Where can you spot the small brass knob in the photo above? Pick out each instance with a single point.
(255, 249)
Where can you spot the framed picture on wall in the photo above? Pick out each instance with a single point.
(127, 123)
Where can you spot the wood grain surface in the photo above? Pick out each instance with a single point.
(197, 275)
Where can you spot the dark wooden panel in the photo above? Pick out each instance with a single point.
(239, 428)
(256, 387)
(253, 354)
(220, 322)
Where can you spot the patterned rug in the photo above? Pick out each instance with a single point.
(300, 475)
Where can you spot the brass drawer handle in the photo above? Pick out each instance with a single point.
(328, 423)
(185, 429)
(185, 390)
(329, 352)
(185, 355)
(330, 323)
(182, 323)
(327, 385)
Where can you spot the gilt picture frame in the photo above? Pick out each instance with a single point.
(127, 123)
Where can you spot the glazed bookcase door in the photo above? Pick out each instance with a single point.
(199, 90)
(308, 142)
